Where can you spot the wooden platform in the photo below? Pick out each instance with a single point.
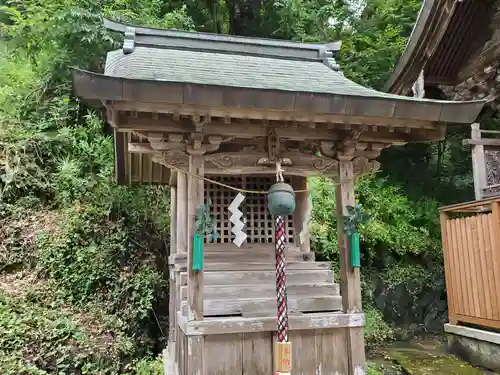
(238, 331)
(245, 345)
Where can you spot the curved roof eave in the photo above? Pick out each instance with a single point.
(432, 20)
(94, 86)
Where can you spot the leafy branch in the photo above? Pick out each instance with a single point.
(355, 218)
(205, 222)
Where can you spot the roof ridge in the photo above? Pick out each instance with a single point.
(175, 39)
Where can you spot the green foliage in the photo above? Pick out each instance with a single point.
(102, 245)
(355, 218)
(205, 222)
(149, 366)
(400, 250)
(398, 224)
(373, 44)
(377, 331)
(324, 223)
(107, 267)
(413, 295)
(372, 369)
(40, 336)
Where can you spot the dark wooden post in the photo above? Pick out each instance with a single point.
(181, 244)
(443, 217)
(194, 199)
(302, 200)
(181, 233)
(350, 282)
(172, 310)
(478, 163)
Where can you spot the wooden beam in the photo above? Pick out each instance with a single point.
(228, 325)
(472, 206)
(252, 128)
(195, 199)
(369, 151)
(481, 142)
(270, 115)
(236, 163)
(350, 282)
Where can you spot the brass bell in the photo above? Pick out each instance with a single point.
(281, 199)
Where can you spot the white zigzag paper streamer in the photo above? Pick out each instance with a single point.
(307, 218)
(235, 219)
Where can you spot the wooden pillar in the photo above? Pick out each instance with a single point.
(195, 196)
(172, 308)
(173, 220)
(478, 163)
(181, 233)
(302, 201)
(350, 282)
(194, 199)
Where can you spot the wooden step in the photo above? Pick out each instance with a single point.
(264, 290)
(258, 266)
(232, 256)
(221, 307)
(294, 276)
(246, 248)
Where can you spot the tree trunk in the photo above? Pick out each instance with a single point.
(244, 17)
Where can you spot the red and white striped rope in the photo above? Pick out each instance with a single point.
(281, 295)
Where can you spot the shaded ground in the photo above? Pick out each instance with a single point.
(423, 357)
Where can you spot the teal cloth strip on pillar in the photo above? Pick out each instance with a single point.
(197, 252)
(354, 249)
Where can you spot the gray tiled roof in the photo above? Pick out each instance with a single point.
(233, 70)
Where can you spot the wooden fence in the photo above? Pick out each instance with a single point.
(471, 245)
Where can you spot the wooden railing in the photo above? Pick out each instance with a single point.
(471, 245)
(485, 161)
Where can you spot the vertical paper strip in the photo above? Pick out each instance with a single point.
(235, 219)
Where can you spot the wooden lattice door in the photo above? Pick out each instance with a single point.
(259, 223)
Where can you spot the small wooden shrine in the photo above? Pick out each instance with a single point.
(214, 117)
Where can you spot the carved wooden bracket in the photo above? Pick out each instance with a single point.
(234, 159)
(200, 121)
(347, 147)
(307, 163)
(327, 148)
(199, 148)
(374, 149)
(174, 158)
(174, 141)
(363, 165)
(246, 163)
